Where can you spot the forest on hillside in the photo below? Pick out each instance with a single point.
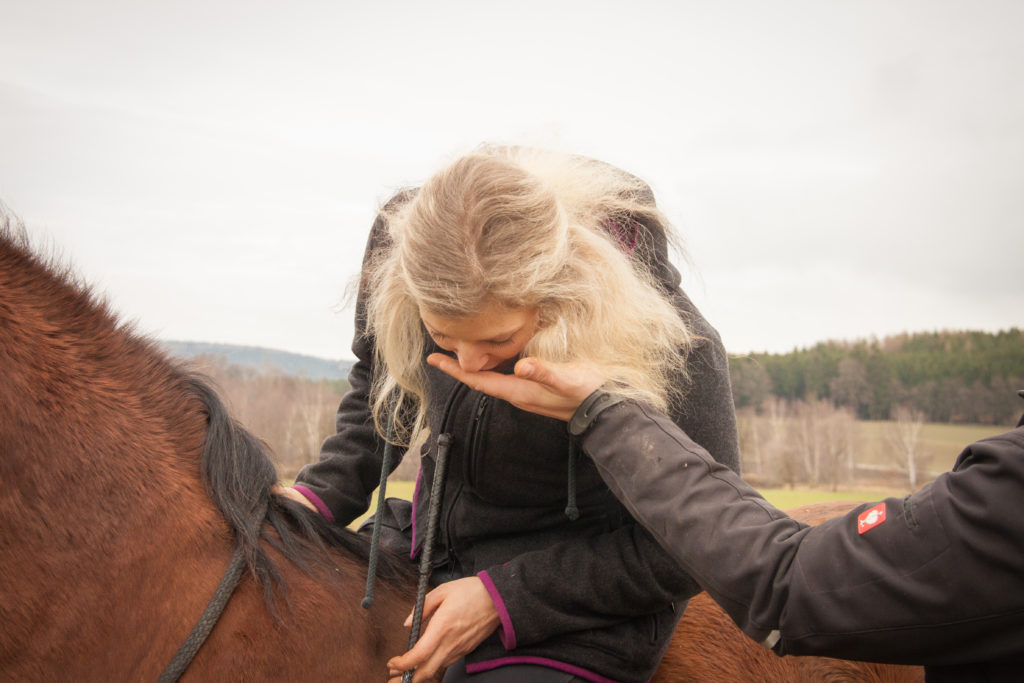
(951, 376)
(806, 417)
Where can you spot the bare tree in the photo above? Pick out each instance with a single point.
(765, 443)
(823, 436)
(310, 419)
(839, 440)
(807, 440)
(748, 429)
(904, 436)
(292, 415)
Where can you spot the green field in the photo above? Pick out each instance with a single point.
(941, 442)
(791, 498)
(396, 489)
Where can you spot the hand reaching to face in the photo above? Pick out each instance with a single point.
(461, 615)
(550, 389)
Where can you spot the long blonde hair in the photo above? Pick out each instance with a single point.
(527, 229)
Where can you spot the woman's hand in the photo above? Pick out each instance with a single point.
(463, 615)
(550, 389)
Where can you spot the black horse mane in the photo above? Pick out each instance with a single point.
(235, 466)
(238, 474)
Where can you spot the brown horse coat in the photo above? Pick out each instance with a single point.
(110, 543)
(126, 488)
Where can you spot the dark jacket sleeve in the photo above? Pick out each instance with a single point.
(348, 470)
(939, 581)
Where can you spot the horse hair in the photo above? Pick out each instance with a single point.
(235, 467)
(239, 474)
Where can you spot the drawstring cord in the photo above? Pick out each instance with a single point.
(572, 511)
(434, 511)
(385, 469)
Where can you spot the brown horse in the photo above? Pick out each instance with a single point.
(127, 488)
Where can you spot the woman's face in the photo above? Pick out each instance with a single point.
(485, 341)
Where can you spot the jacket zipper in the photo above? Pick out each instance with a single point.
(467, 453)
(475, 437)
(449, 496)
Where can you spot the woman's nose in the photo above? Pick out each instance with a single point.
(471, 359)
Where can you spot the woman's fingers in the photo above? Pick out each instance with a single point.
(489, 382)
(463, 615)
(424, 658)
(571, 382)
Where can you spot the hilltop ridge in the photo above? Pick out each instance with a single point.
(260, 358)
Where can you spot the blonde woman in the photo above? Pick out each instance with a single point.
(541, 574)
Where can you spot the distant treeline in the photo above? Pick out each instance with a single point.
(960, 377)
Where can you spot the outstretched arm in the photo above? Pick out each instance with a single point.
(938, 581)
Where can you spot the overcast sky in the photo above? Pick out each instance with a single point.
(838, 169)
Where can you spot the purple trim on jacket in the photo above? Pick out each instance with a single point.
(321, 506)
(506, 632)
(490, 664)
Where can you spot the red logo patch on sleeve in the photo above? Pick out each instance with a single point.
(871, 518)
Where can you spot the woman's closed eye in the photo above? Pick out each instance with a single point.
(441, 338)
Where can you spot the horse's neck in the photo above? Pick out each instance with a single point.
(84, 404)
(101, 504)
(100, 545)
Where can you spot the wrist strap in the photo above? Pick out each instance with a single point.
(591, 407)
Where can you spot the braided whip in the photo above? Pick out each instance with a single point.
(436, 492)
(385, 469)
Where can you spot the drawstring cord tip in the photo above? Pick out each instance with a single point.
(572, 511)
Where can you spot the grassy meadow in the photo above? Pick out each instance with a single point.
(940, 442)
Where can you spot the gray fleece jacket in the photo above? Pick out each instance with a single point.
(595, 596)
